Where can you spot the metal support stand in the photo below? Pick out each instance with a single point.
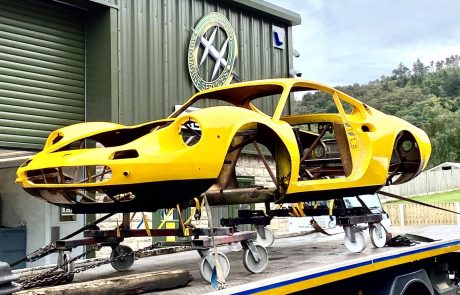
(6, 280)
(123, 257)
(349, 218)
(126, 221)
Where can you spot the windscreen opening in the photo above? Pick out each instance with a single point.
(260, 98)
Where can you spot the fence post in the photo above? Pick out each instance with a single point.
(401, 215)
(457, 209)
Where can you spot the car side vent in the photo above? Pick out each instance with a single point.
(57, 139)
(126, 154)
(368, 127)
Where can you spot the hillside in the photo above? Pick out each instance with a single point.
(426, 96)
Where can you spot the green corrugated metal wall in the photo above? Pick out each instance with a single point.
(154, 38)
(42, 71)
(43, 85)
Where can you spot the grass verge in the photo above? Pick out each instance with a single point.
(448, 197)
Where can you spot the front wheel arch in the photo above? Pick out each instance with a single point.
(268, 137)
(281, 155)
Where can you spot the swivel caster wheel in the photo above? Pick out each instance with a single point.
(357, 243)
(265, 236)
(122, 257)
(235, 247)
(378, 235)
(255, 260)
(208, 262)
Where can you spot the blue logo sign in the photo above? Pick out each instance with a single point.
(279, 37)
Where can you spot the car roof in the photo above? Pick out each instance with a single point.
(241, 92)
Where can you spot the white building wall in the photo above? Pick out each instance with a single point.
(22, 209)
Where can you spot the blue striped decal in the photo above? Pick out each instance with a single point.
(416, 251)
(344, 268)
(304, 278)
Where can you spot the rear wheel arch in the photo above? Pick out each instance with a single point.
(406, 158)
(417, 282)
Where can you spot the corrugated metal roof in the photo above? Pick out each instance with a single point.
(111, 3)
(259, 6)
(273, 11)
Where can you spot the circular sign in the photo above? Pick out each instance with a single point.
(224, 56)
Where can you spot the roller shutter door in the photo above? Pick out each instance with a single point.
(42, 71)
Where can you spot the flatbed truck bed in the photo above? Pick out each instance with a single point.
(310, 262)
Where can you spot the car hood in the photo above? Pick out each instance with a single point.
(61, 138)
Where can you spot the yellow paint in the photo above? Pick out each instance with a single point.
(118, 228)
(164, 156)
(147, 227)
(316, 281)
(297, 210)
(322, 280)
(170, 225)
(185, 230)
(192, 212)
(163, 222)
(331, 207)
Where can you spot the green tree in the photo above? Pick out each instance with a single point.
(428, 97)
(401, 74)
(419, 69)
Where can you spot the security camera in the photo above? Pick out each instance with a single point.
(295, 53)
(294, 73)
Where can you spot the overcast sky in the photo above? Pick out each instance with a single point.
(346, 41)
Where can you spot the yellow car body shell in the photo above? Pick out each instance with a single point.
(168, 170)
